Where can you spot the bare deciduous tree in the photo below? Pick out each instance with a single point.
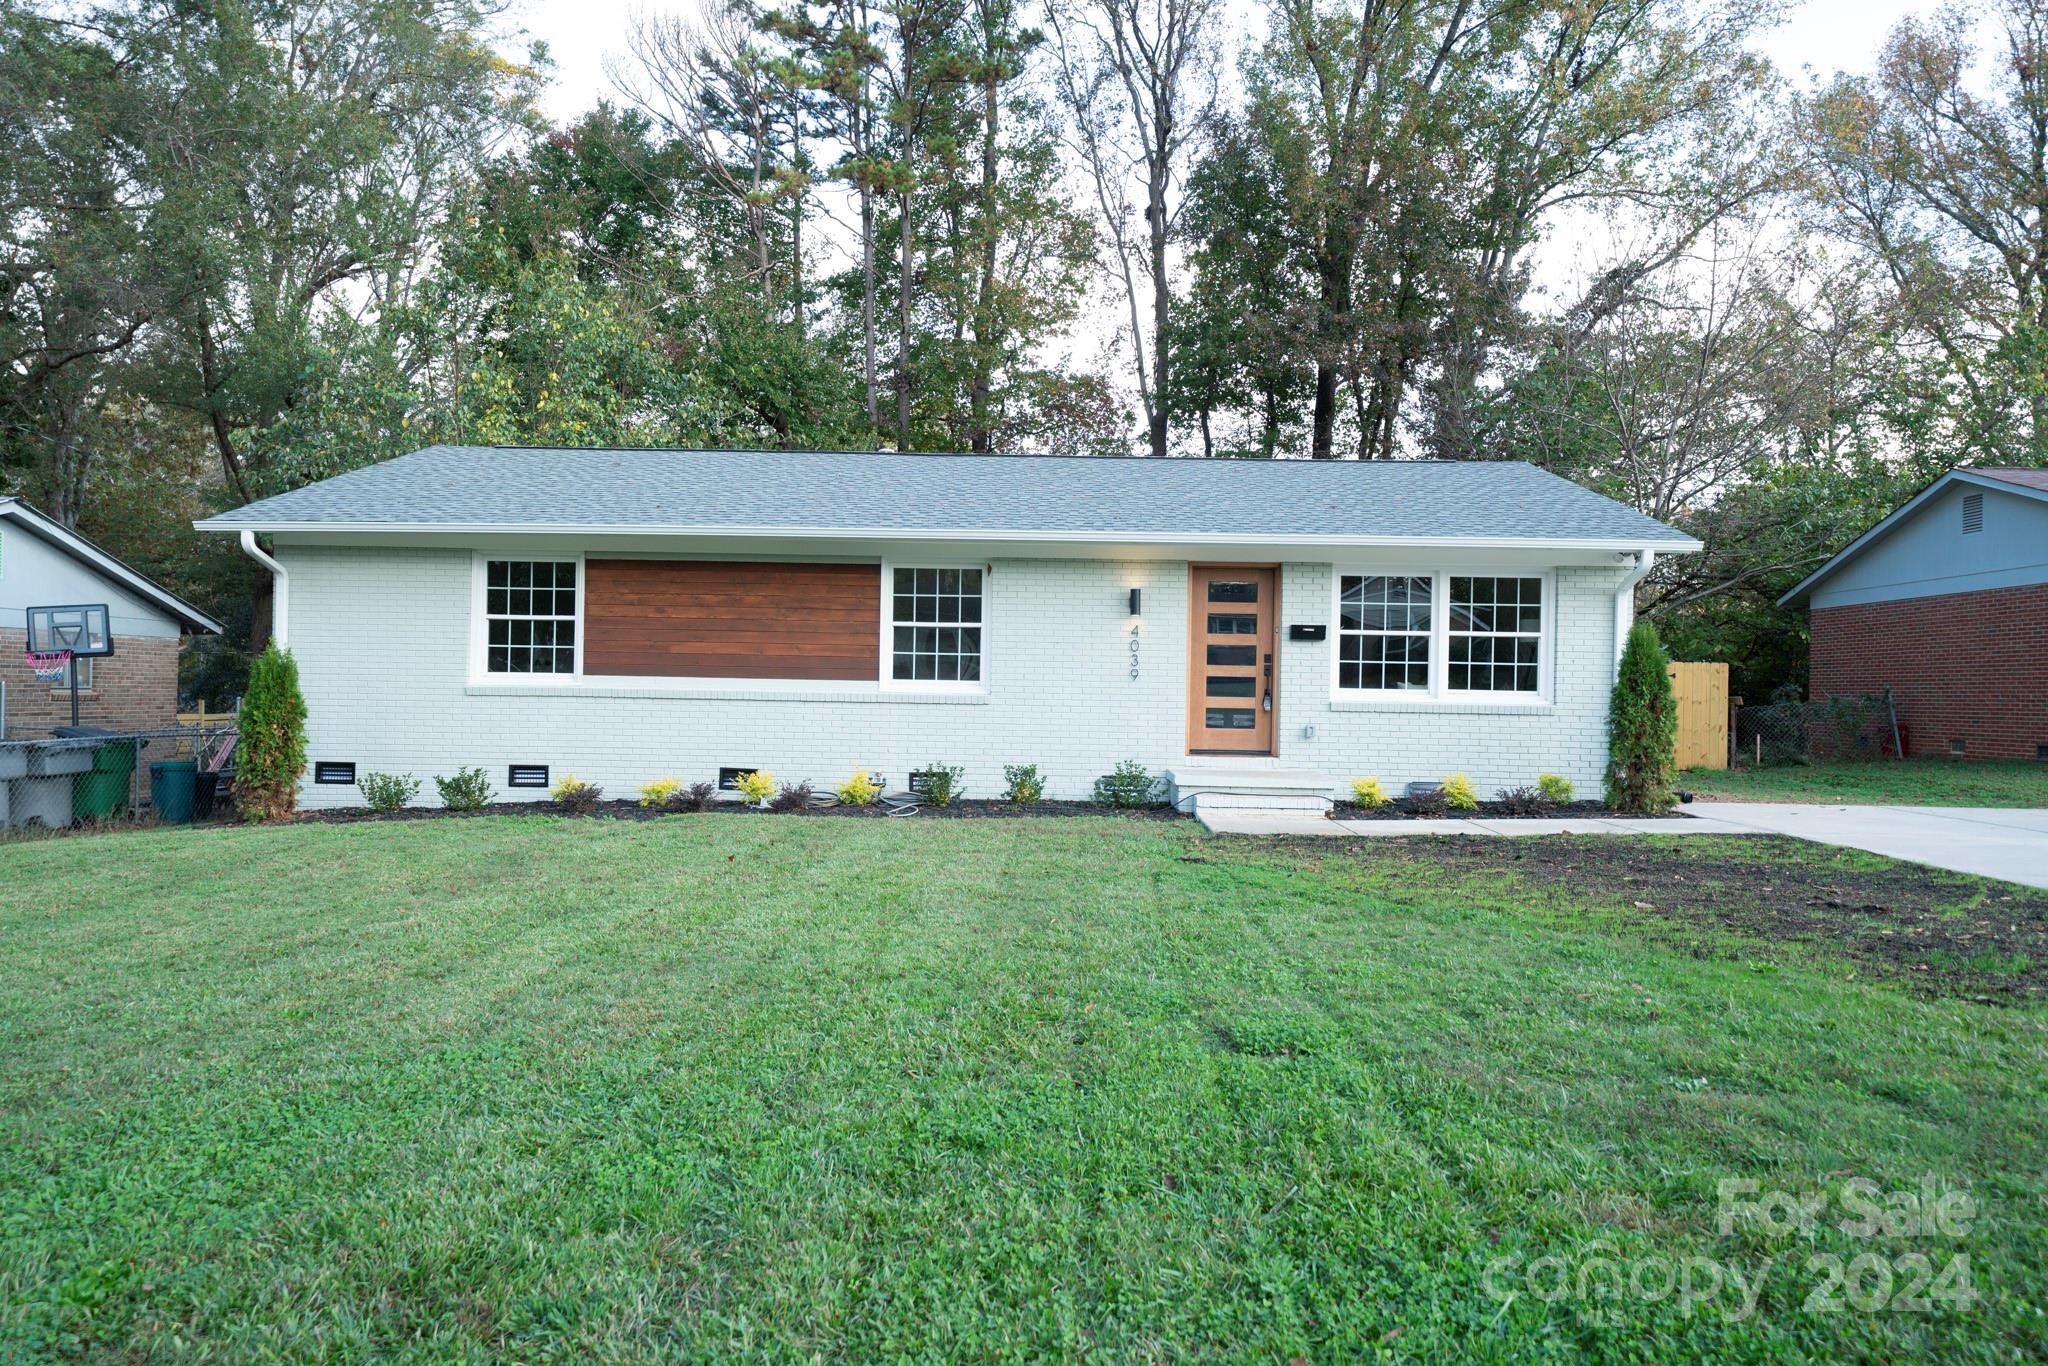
(1138, 80)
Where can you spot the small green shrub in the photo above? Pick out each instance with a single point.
(756, 787)
(389, 791)
(1023, 783)
(660, 794)
(939, 783)
(1555, 789)
(469, 790)
(270, 753)
(1458, 793)
(1642, 728)
(791, 797)
(1368, 793)
(1130, 783)
(575, 796)
(859, 790)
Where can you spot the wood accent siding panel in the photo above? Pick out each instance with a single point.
(722, 619)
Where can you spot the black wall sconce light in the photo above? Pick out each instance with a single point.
(1135, 596)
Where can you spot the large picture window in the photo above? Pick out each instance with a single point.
(1496, 632)
(935, 625)
(1383, 632)
(530, 616)
(1442, 635)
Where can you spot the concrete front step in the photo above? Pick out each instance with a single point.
(1217, 789)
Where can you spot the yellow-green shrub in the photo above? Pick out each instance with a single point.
(756, 787)
(657, 793)
(1367, 792)
(575, 796)
(1458, 793)
(1555, 789)
(859, 790)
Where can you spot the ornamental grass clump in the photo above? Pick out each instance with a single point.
(270, 754)
(1642, 728)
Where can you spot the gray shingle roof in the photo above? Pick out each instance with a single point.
(821, 492)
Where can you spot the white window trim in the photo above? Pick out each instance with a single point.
(887, 637)
(479, 619)
(1439, 692)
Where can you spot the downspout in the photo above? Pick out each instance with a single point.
(1625, 602)
(280, 588)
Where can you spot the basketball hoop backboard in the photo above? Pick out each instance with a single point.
(79, 629)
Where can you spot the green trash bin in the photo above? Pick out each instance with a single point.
(102, 792)
(171, 785)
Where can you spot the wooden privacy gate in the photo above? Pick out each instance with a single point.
(1702, 693)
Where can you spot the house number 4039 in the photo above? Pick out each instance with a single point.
(1134, 649)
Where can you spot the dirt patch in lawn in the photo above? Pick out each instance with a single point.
(1943, 933)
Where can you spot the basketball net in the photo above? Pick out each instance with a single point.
(48, 667)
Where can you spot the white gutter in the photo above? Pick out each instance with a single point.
(1625, 602)
(1046, 537)
(280, 589)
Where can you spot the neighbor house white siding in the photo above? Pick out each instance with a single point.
(382, 637)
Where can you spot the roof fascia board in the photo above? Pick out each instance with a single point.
(84, 551)
(1886, 525)
(1677, 546)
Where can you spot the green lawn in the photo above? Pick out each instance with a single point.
(1913, 782)
(780, 1087)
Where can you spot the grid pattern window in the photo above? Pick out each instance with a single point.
(935, 625)
(530, 616)
(81, 663)
(1495, 634)
(1383, 632)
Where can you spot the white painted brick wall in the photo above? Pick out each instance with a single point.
(1495, 746)
(1060, 693)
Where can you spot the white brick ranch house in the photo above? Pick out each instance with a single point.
(1264, 631)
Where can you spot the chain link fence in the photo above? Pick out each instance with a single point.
(1848, 726)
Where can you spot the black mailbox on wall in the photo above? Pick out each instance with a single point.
(1308, 631)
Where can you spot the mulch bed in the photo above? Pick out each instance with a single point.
(633, 811)
(1941, 933)
(1409, 809)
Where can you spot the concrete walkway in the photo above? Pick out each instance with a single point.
(1986, 841)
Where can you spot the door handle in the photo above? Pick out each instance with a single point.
(1266, 703)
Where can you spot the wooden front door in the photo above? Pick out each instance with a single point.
(1232, 613)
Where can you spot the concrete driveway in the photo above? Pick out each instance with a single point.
(1989, 841)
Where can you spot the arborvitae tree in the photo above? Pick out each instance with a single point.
(1642, 728)
(271, 755)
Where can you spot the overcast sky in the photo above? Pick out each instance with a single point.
(1826, 35)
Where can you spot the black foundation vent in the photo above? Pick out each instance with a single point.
(526, 775)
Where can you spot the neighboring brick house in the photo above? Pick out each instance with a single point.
(1264, 631)
(45, 564)
(1945, 602)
